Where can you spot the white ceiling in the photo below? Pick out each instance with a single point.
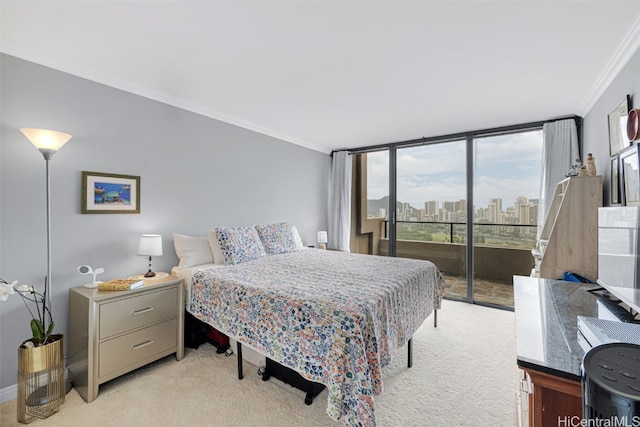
(339, 74)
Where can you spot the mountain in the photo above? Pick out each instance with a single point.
(374, 205)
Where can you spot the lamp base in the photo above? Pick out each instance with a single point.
(150, 274)
(159, 275)
(322, 246)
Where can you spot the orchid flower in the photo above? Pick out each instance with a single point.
(40, 327)
(6, 289)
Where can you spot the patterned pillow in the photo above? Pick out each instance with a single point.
(240, 244)
(277, 238)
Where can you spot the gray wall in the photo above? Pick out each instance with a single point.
(596, 128)
(196, 173)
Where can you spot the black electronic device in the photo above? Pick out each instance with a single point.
(610, 376)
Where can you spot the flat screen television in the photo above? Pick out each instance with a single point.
(618, 253)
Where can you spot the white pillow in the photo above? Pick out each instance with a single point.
(192, 250)
(296, 237)
(214, 245)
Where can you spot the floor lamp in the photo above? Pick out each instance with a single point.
(48, 142)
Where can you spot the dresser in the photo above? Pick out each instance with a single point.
(548, 352)
(114, 332)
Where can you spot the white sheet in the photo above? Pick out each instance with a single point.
(186, 273)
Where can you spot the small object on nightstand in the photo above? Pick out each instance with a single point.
(322, 239)
(86, 269)
(120, 285)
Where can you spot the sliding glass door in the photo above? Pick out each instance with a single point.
(506, 184)
(429, 201)
(431, 209)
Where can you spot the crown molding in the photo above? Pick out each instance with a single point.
(34, 55)
(620, 57)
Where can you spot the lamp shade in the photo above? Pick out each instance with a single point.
(322, 237)
(150, 245)
(45, 139)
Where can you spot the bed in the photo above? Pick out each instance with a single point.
(334, 317)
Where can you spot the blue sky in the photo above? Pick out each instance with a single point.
(507, 166)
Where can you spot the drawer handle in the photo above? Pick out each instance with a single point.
(142, 345)
(142, 311)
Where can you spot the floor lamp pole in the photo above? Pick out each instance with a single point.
(47, 156)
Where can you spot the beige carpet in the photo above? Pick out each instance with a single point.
(464, 374)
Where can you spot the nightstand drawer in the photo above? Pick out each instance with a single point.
(137, 311)
(129, 349)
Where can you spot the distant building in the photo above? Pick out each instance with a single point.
(431, 208)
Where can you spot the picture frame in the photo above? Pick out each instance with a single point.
(614, 186)
(630, 176)
(109, 193)
(617, 121)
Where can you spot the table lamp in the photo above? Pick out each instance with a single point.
(150, 245)
(322, 239)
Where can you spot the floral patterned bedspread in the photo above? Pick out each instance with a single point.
(334, 317)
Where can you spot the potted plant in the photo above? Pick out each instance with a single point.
(41, 388)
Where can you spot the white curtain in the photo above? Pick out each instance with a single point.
(339, 229)
(559, 152)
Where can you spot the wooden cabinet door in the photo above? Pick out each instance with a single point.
(554, 400)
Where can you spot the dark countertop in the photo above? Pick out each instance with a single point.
(546, 322)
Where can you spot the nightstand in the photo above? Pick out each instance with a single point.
(114, 332)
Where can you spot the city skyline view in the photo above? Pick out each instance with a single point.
(506, 175)
(521, 211)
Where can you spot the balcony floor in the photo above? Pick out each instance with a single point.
(488, 291)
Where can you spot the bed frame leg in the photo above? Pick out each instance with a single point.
(410, 358)
(435, 318)
(240, 376)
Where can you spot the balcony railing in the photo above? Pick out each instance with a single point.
(498, 257)
(500, 235)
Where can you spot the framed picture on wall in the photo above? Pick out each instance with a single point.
(618, 140)
(108, 193)
(615, 181)
(630, 176)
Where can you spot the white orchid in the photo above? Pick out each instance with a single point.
(40, 327)
(24, 289)
(6, 289)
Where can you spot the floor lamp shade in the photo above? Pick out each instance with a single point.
(44, 139)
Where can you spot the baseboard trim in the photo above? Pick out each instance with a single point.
(8, 394)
